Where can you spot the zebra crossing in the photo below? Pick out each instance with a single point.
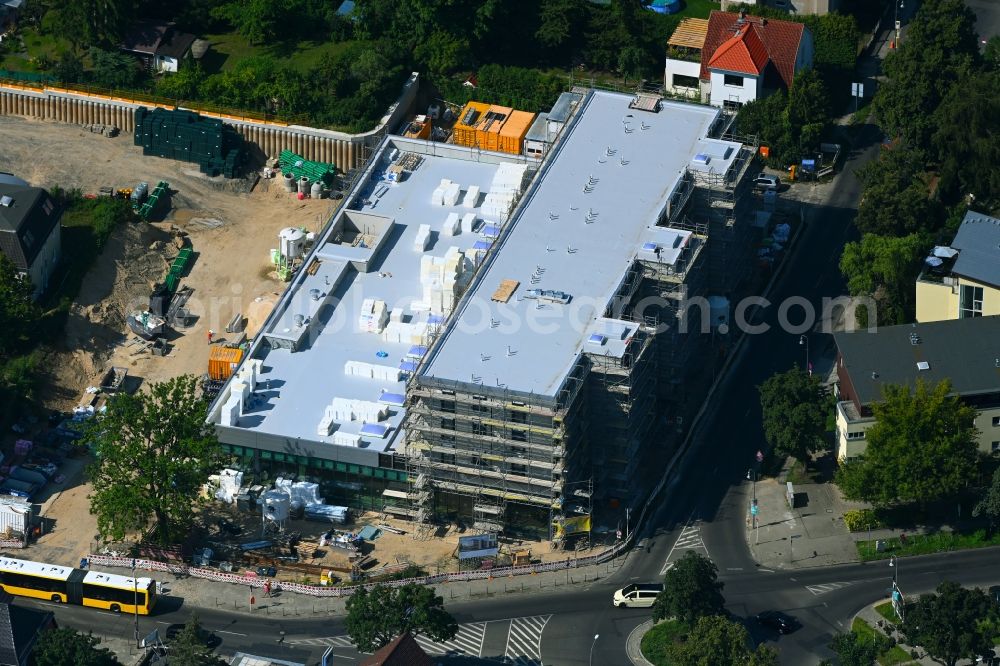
(524, 640)
(520, 638)
(468, 641)
(689, 539)
(818, 590)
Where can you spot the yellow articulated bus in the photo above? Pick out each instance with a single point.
(67, 585)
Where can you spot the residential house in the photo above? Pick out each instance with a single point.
(160, 46)
(962, 280)
(8, 13)
(30, 235)
(964, 351)
(402, 651)
(20, 628)
(741, 58)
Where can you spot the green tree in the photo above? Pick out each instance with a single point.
(940, 48)
(18, 314)
(884, 269)
(808, 112)
(968, 114)
(952, 624)
(989, 505)
(690, 590)
(560, 22)
(852, 650)
(69, 69)
(59, 647)
(795, 407)
(991, 52)
(257, 20)
(113, 68)
(921, 448)
(153, 451)
(718, 640)
(895, 201)
(442, 53)
(376, 616)
(190, 646)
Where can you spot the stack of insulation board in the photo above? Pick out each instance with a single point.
(185, 135)
(298, 166)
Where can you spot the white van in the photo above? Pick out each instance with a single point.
(637, 595)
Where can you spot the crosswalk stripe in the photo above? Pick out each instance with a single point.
(817, 590)
(524, 640)
(468, 640)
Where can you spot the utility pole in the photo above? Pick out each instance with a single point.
(135, 603)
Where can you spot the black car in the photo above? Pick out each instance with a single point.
(778, 621)
(269, 572)
(206, 637)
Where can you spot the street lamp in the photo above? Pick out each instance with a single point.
(135, 603)
(895, 20)
(895, 570)
(803, 340)
(596, 636)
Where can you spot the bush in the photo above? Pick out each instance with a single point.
(656, 642)
(859, 520)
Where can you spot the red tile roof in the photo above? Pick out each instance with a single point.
(743, 52)
(402, 651)
(780, 39)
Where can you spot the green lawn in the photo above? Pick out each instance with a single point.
(923, 544)
(36, 46)
(886, 611)
(229, 48)
(698, 8)
(891, 657)
(656, 641)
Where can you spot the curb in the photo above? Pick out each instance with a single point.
(634, 641)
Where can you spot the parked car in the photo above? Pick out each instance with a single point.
(783, 624)
(765, 181)
(268, 572)
(637, 595)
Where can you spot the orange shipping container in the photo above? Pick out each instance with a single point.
(489, 126)
(513, 131)
(465, 134)
(222, 361)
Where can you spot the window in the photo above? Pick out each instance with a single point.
(970, 302)
(519, 417)
(447, 424)
(856, 435)
(518, 469)
(479, 407)
(482, 429)
(732, 104)
(996, 421)
(447, 406)
(519, 435)
(732, 80)
(995, 447)
(681, 81)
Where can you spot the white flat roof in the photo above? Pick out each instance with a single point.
(295, 387)
(586, 219)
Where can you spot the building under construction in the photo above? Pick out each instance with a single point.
(512, 371)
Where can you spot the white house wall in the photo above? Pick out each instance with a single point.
(742, 94)
(684, 68)
(44, 264)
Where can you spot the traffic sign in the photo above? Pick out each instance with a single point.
(754, 509)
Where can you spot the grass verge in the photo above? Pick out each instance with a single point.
(656, 642)
(888, 656)
(924, 544)
(886, 610)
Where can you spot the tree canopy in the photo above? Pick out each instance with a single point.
(951, 624)
(852, 650)
(989, 506)
(921, 448)
(58, 647)
(690, 590)
(896, 201)
(795, 407)
(885, 269)
(940, 48)
(791, 124)
(716, 639)
(153, 452)
(18, 314)
(190, 646)
(378, 615)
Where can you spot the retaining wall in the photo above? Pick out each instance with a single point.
(346, 151)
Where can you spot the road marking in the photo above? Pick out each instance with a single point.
(524, 642)
(766, 570)
(231, 633)
(689, 539)
(734, 568)
(468, 641)
(817, 590)
(332, 641)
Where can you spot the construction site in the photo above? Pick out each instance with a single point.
(513, 344)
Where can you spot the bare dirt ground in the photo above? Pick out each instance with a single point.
(230, 232)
